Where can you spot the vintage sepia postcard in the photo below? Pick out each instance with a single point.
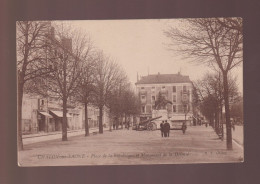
(130, 92)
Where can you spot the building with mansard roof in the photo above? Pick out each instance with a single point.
(175, 88)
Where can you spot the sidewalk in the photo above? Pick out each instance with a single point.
(40, 137)
(237, 135)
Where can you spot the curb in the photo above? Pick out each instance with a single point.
(72, 131)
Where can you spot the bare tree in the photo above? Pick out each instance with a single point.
(123, 101)
(211, 90)
(231, 23)
(31, 44)
(130, 102)
(195, 100)
(208, 41)
(116, 101)
(85, 91)
(67, 51)
(237, 110)
(107, 74)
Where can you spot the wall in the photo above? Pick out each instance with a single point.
(29, 114)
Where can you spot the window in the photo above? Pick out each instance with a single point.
(153, 98)
(142, 88)
(42, 102)
(148, 109)
(184, 88)
(153, 88)
(174, 89)
(163, 87)
(174, 108)
(180, 108)
(174, 98)
(143, 109)
(143, 99)
(185, 108)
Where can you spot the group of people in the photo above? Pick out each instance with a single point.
(165, 128)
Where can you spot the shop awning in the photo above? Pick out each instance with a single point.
(60, 114)
(46, 114)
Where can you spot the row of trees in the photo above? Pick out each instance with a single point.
(211, 97)
(214, 42)
(55, 60)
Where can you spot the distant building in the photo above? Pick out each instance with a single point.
(175, 88)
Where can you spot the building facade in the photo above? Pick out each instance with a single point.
(45, 115)
(175, 88)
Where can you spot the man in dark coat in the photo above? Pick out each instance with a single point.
(162, 128)
(166, 128)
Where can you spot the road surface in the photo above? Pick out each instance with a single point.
(127, 147)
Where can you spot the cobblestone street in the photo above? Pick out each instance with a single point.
(127, 147)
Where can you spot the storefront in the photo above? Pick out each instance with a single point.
(44, 121)
(58, 116)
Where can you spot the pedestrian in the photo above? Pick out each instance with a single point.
(233, 125)
(166, 129)
(114, 125)
(161, 126)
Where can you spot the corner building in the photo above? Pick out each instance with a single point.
(176, 88)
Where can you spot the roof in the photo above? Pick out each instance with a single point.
(164, 78)
(45, 114)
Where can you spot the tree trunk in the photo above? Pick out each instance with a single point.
(227, 112)
(20, 103)
(216, 121)
(125, 121)
(21, 75)
(221, 113)
(101, 120)
(121, 121)
(86, 120)
(64, 121)
(221, 119)
(110, 123)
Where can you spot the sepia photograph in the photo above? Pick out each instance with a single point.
(130, 92)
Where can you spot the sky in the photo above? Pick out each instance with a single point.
(140, 46)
